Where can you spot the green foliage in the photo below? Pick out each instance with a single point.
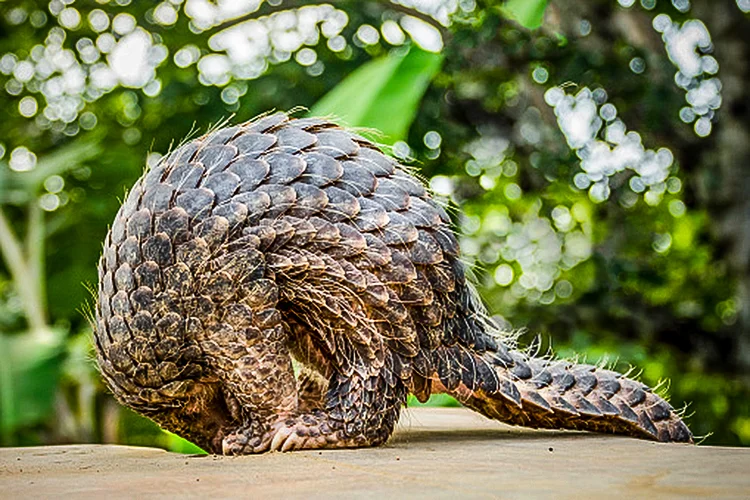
(383, 94)
(180, 445)
(528, 13)
(443, 400)
(139, 431)
(22, 187)
(29, 375)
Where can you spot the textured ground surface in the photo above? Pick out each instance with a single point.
(441, 452)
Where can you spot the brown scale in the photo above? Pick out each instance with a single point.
(284, 238)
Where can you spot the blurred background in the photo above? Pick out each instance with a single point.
(596, 154)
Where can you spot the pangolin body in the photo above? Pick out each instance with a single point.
(294, 238)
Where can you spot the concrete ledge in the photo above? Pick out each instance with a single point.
(437, 452)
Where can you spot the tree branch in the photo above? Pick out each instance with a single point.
(444, 32)
(19, 270)
(35, 251)
(265, 9)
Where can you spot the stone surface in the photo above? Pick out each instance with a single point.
(436, 453)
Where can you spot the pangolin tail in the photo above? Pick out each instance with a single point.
(513, 387)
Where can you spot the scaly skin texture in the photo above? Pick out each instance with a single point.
(284, 238)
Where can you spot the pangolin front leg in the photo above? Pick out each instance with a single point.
(357, 412)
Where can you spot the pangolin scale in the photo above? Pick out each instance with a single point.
(283, 239)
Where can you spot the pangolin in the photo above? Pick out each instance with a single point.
(296, 239)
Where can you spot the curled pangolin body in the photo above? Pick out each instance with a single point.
(293, 238)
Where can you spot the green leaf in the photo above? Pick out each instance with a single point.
(177, 444)
(29, 371)
(435, 400)
(528, 13)
(383, 94)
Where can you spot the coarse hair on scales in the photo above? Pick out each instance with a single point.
(283, 239)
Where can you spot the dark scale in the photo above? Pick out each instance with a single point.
(284, 238)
